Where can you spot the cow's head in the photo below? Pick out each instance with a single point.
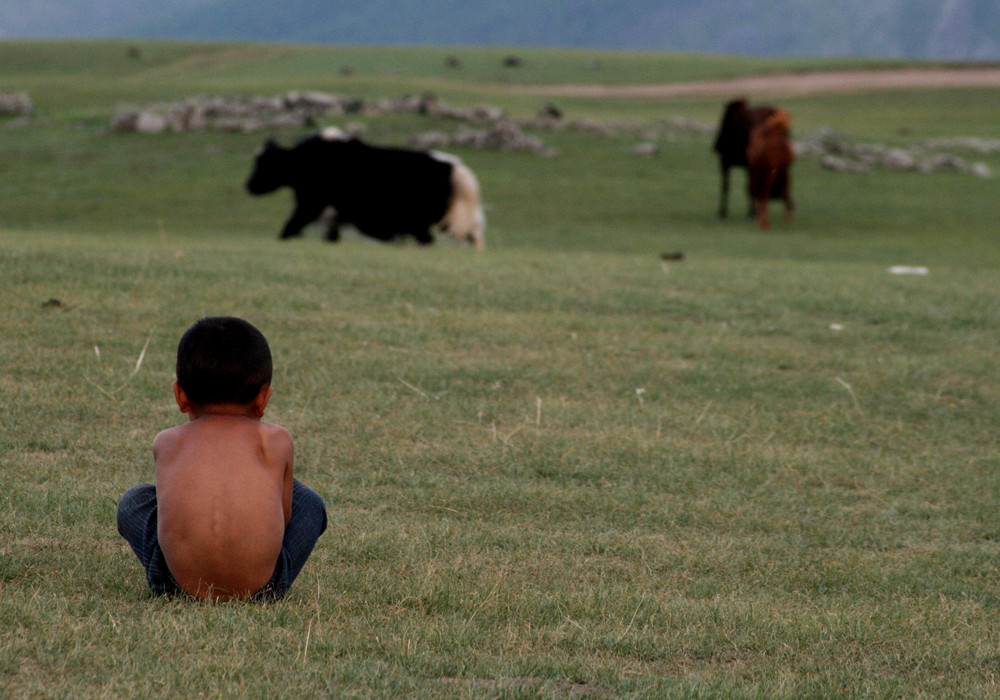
(270, 170)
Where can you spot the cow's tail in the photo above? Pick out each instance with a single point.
(464, 218)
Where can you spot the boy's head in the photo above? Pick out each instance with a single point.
(222, 359)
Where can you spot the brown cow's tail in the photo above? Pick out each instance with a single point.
(464, 218)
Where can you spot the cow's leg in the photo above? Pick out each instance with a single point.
(305, 213)
(789, 204)
(780, 189)
(753, 198)
(763, 219)
(724, 192)
(759, 183)
(765, 194)
(424, 236)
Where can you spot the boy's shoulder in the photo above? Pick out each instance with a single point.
(274, 428)
(273, 439)
(167, 437)
(277, 439)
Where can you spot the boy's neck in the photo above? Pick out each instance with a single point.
(224, 409)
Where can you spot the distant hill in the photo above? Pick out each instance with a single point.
(928, 29)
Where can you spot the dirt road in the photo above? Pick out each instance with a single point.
(785, 84)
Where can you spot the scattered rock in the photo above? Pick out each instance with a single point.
(943, 161)
(970, 143)
(842, 165)
(139, 121)
(355, 130)
(487, 113)
(839, 154)
(295, 109)
(18, 104)
(899, 159)
(981, 170)
(647, 149)
(680, 124)
(430, 140)
(592, 126)
(498, 130)
(504, 135)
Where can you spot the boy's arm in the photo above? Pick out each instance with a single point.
(163, 444)
(286, 498)
(280, 454)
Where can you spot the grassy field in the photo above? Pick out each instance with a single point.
(558, 468)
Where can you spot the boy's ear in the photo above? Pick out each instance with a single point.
(183, 402)
(260, 403)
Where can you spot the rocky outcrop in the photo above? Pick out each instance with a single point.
(840, 154)
(17, 104)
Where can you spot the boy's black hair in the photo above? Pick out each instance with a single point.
(223, 359)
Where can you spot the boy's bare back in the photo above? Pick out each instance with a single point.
(224, 489)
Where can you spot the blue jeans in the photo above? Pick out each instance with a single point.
(137, 524)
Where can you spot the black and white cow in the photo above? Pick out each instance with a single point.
(385, 193)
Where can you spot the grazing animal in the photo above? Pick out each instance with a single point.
(385, 193)
(769, 158)
(731, 140)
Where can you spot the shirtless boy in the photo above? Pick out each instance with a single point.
(225, 519)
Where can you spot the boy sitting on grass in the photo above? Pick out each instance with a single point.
(225, 519)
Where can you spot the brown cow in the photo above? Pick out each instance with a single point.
(769, 159)
(738, 118)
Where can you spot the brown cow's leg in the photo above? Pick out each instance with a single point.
(763, 219)
(753, 201)
(765, 196)
(782, 190)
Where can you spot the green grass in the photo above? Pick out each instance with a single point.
(559, 468)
